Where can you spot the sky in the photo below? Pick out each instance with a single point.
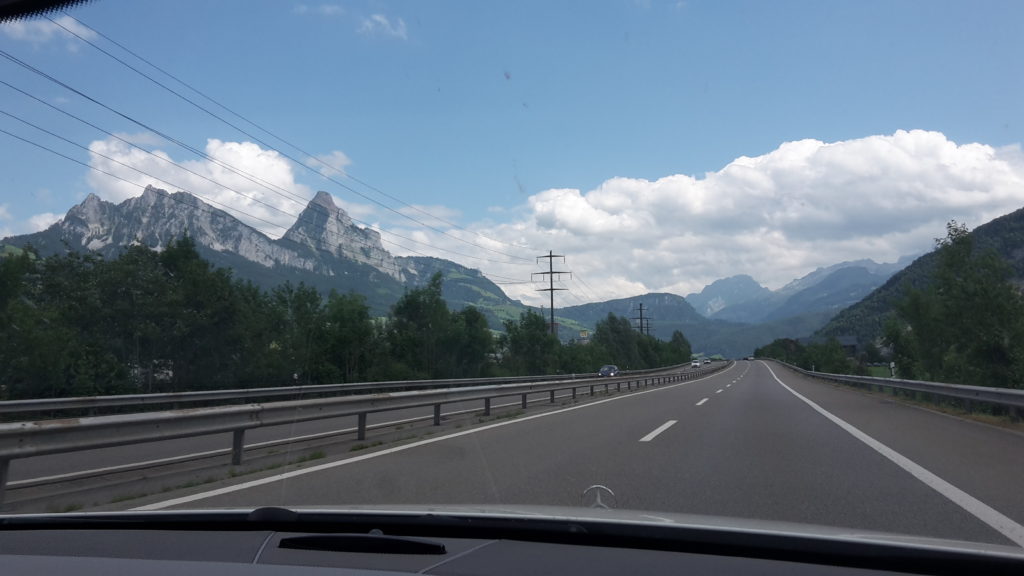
(657, 145)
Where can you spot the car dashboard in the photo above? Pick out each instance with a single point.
(279, 541)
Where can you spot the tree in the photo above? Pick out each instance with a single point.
(299, 344)
(468, 344)
(529, 348)
(350, 336)
(417, 328)
(966, 325)
(616, 336)
(677, 351)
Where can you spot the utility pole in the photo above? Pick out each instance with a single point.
(643, 324)
(551, 283)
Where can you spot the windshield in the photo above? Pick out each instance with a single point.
(320, 215)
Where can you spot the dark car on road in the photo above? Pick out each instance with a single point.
(608, 370)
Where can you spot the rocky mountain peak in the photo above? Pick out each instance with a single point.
(325, 200)
(325, 227)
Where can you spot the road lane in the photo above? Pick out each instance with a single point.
(27, 470)
(978, 458)
(755, 451)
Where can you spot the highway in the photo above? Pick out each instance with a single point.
(48, 468)
(753, 441)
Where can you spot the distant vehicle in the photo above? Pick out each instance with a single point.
(695, 364)
(608, 370)
(707, 360)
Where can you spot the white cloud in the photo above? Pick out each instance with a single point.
(42, 31)
(776, 217)
(34, 223)
(379, 24)
(265, 195)
(42, 221)
(319, 9)
(331, 164)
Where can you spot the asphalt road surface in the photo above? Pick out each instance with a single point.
(32, 470)
(754, 441)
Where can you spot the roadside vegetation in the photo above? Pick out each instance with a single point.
(965, 326)
(168, 321)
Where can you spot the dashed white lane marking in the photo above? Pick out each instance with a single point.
(1001, 523)
(719, 391)
(702, 401)
(402, 448)
(654, 433)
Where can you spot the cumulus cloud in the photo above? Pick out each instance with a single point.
(776, 217)
(42, 31)
(42, 221)
(258, 186)
(9, 227)
(379, 24)
(330, 164)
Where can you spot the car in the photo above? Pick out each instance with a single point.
(695, 364)
(608, 370)
(707, 360)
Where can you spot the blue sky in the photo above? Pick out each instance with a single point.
(659, 145)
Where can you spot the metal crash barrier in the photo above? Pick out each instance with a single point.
(44, 437)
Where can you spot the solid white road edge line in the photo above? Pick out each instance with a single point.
(654, 433)
(1001, 523)
(386, 451)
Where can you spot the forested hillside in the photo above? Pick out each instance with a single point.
(867, 319)
(168, 321)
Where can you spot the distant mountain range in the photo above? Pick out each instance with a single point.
(325, 249)
(866, 319)
(818, 295)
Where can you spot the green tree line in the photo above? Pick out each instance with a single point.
(168, 321)
(965, 325)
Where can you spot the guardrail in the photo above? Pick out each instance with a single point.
(1008, 397)
(179, 399)
(27, 439)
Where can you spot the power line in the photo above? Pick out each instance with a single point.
(255, 180)
(158, 179)
(269, 146)
(225, 207)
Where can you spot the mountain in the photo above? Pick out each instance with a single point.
(837, 290)
(809, 301)
(866, 319)
(884, 270)
(323, 248)
(670, 312)
(726, 292)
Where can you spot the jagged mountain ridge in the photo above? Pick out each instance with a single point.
(726, 292)
(819, 294)
(669, 312)
(323, 248)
